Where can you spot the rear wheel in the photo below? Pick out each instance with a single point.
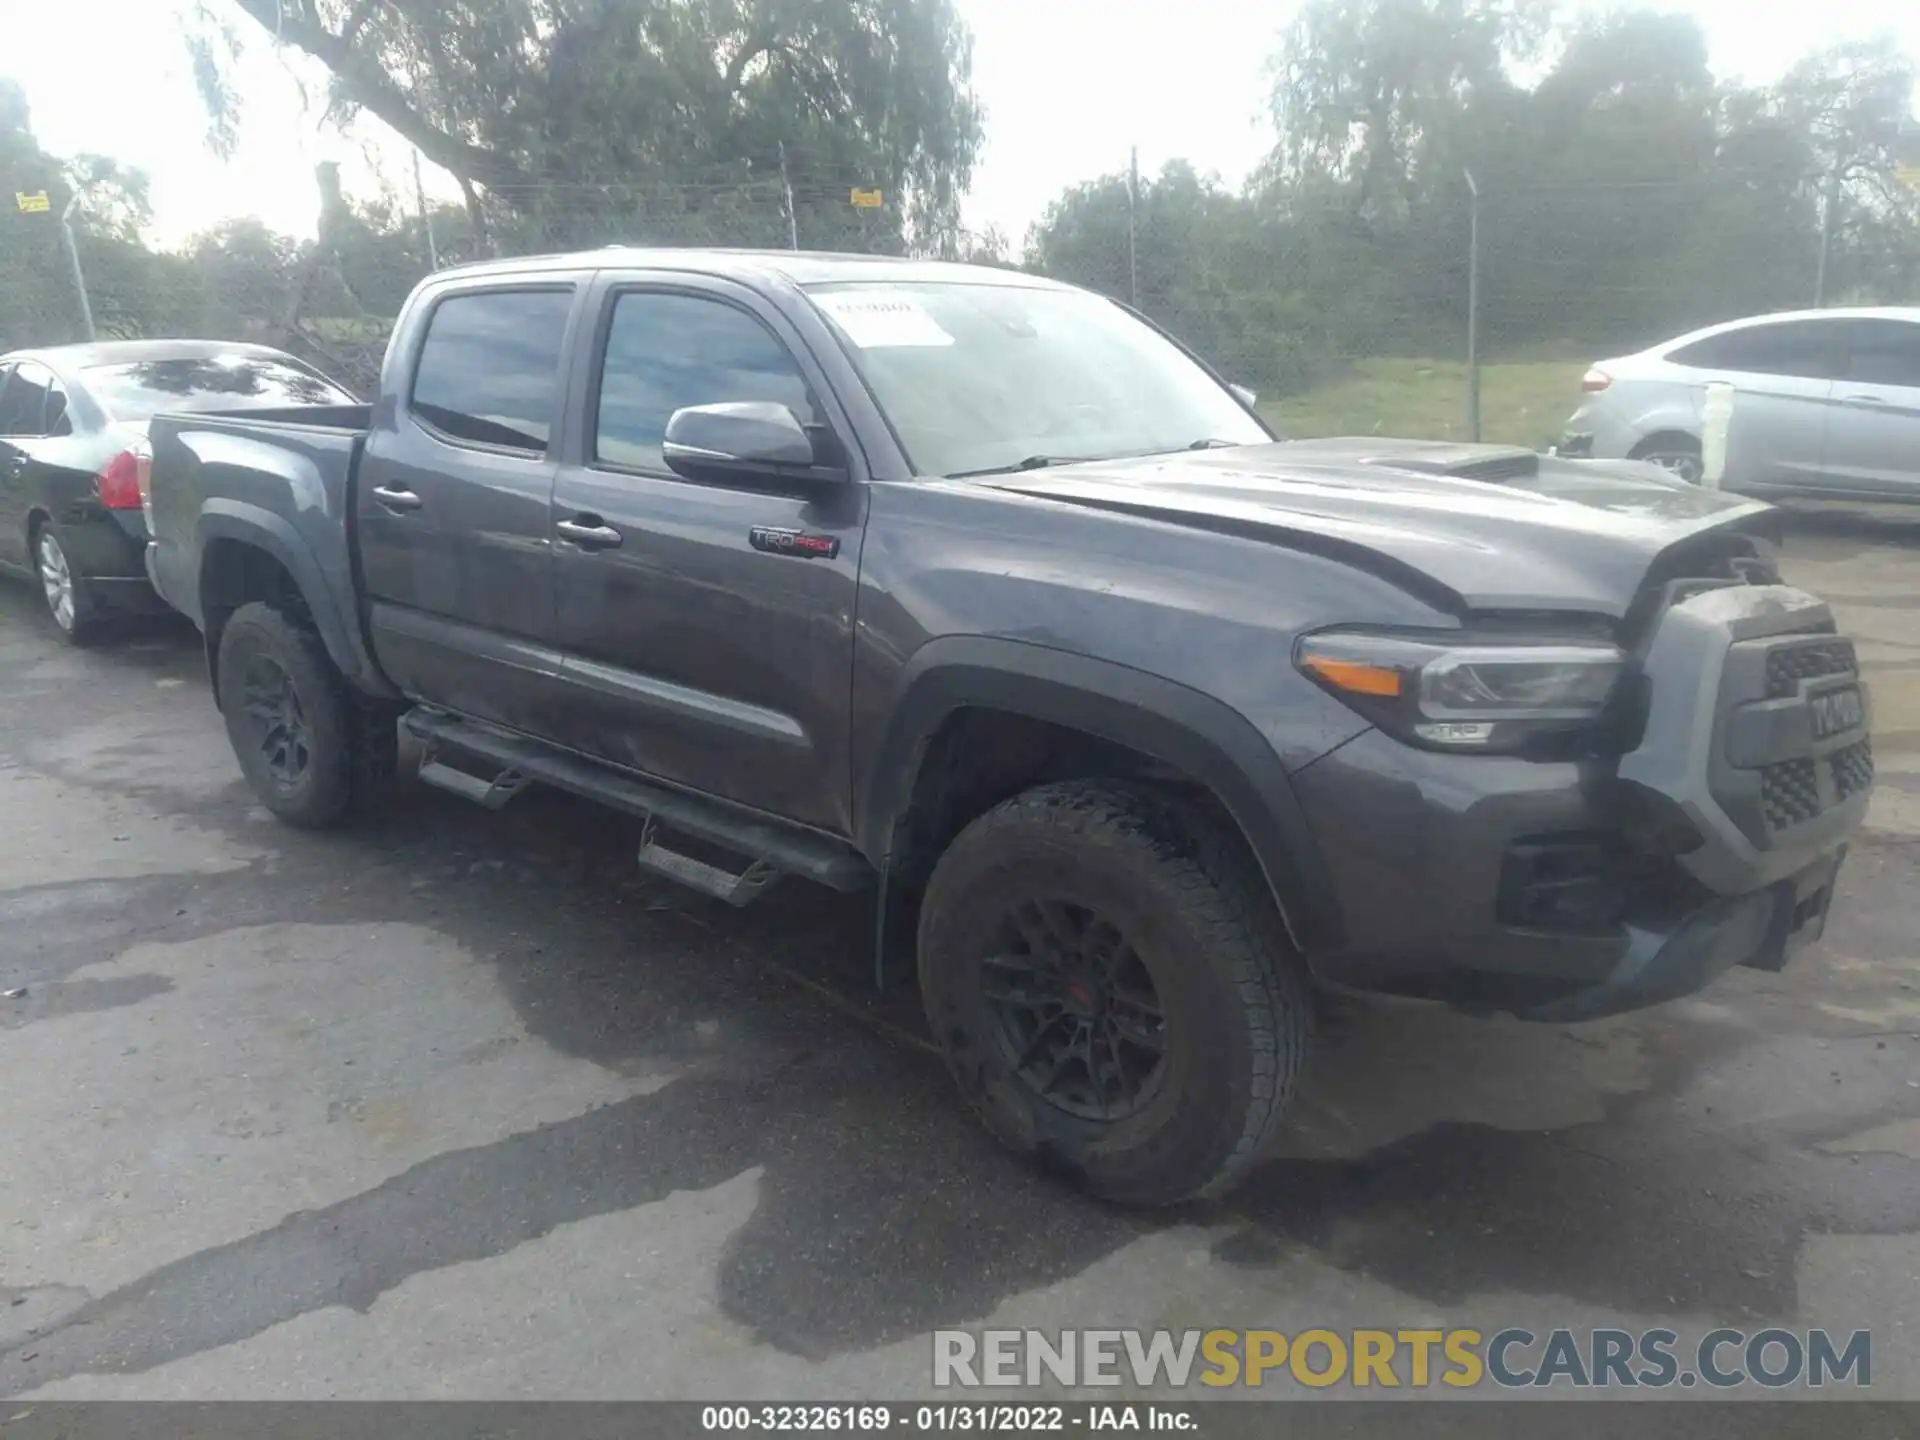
(1679, 455)
(1106, 973)
(313, 751)
(69, 599)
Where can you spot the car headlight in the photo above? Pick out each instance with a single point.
(1459, 693)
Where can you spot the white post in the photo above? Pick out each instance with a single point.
(1716, 421)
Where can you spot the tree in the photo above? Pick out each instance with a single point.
(1200, 260)
(1362, 88)
(563, 111)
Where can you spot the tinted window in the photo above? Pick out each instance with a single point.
(669, 351)
(58, 422)
(23, 407)
(490, 368)
(136, 390)
(1884, 352)
(1806, 348)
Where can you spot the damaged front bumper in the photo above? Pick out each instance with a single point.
(1571, 890)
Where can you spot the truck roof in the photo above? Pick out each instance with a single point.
(798, 267)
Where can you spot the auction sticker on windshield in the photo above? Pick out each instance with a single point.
(882, 319)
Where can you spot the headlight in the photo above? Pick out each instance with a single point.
(1452, 693)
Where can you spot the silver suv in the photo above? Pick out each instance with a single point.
(1826, 404)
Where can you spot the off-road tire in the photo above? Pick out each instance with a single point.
(354, 745)
(1200, 917)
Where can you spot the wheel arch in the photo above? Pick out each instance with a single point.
(1122, 712)
(246, 554)
(1667, 434)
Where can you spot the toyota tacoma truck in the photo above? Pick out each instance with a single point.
(982, 593)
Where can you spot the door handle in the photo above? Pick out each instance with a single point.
(589, 532)
(397, 497)
(1864, 400)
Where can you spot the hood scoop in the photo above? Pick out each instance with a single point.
(1492, 465)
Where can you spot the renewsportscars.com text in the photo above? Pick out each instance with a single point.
(1513, 1358)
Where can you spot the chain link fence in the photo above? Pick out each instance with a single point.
(1344, 317)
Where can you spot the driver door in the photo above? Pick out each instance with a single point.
(690, 654)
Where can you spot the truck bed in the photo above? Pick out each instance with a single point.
(279, 479)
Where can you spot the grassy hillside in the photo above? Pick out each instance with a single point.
(1520, 403)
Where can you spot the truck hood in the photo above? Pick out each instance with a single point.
(1496, 528)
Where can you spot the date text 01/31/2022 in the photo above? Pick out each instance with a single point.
(936, 1418)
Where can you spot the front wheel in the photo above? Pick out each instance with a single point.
(1106, 974)
(312, 750)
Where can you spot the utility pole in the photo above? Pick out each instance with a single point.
(1473, 308)
(72, 247)
(426, 220)
(1133, 200)
(786, 191)
(1827, 226)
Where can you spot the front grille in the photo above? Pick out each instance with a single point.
(1789, 793)
(1789, 665)
(1852, 768)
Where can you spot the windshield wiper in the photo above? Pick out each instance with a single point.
(1212, 443)
(1032, 462)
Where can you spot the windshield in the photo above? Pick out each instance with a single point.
(979, 377)
(142, 388)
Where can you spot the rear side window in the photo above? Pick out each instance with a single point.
(1884, 352)
(1806, 348)
(489, 371)
(139, 389)
(668, 351)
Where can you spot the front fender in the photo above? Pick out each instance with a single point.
(1180, 726)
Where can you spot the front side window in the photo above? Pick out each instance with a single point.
(1807, 349)
(979, 377)
(668, 351)
(489, 369)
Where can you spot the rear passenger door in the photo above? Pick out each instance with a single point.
(690, 654)
(1873, 439)
(13, 511)
(28, 393)
(452, 503)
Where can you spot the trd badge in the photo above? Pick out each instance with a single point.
(777, 541)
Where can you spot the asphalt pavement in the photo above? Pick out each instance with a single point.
(460, 1104)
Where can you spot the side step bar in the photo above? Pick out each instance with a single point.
(776, 849)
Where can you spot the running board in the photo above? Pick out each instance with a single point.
(775, 848)
(740, 889)
(491, 793)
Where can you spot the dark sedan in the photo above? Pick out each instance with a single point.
(73, 444)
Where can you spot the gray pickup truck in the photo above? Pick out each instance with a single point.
(980, 592)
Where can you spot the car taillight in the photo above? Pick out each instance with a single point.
(1595, 380)
(118, 482)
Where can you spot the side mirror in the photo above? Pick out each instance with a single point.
(1245, 396)
(741, 438)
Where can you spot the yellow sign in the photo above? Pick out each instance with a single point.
(1908, 175)
(868, 199)
(32, 203)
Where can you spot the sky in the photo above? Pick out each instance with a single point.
(1069, 86)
